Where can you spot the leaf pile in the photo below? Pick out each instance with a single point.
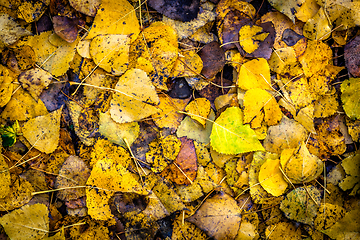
(179, 119)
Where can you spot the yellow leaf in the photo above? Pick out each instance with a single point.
(257, 101)
(326, 106)
(136, 98)
(5, 180)
(199, 107)
(271, 178)
(117, 132)
(168, 115)
(307, 10)
(52, 53)
(34, 81)
(188, 64)
(281, 57)
(254, 74)
(6, 86)
(111, 52)
(249, 37)
(83, 48)
(115, 17)
(22, 107)
(302, 166)
(30, 222)
(20, 194)
(43, 132)
(10, 31)
(106, 178)
(317, 27)
(89, 7)
(31, 12)
(289, 8)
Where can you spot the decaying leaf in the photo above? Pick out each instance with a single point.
(10, 31)
(34, 81)
(350, 100)
(351, 166)
(218, 216)
(4, 178)
(283, 230)
(20, 194)
(230, 136)
(28, 222)
(301, 204)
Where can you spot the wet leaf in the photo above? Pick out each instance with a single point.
(230, 136)
(218, 216)
(28, 222)
(43, 132)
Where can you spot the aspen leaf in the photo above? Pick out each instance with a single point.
(117, 132)
(43, 132)
(20, 194)
(289, 8)
(188, 64)
(350, 100)
(186, 230)
(307, 10)
(317, 27)
(115, 17)
(168, 115)
(22, 106)
(299, 206)
(254, 74)
(281, 57)
(107, 177)
(230, 136)
(111, 52)
(333, 214)
(83, 48)
(34, 81)
(5, 180)
(326, 106)
(6, 86)
(29, 222)
(200, 107)
(86, 7)
(302, 166)
(258, 101)
(249, 37)
(271, 178)
(134, 101)
(52, 53)
(283, 230)
(351, 166)
(218, 216)
(287, 134)
(10, 31)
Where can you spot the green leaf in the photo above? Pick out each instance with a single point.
(351, 100)
(230, 136)
(8, 134)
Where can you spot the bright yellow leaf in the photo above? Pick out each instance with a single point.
(249, 37)
(6, 86)
(271, 178)
(199, 109)
(188, 64)
(254, 74)
(317, 27)
(281, 57)
(259, 105)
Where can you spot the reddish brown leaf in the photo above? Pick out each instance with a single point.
(352, 56)
(186, 161)
(184, 11)
(66, 28)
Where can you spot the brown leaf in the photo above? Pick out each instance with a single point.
(352, 56)
(184, 11)
(213, 57)
(186, 160)
(66, 28)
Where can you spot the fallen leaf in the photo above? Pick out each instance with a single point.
(301, 204)
(177, 9)
(28, 222)
(42, 132)
(9, 134)
(10, 30)
(198, 110)
(134, 96)
(349, 99)
(300, 166)
(5, 178)
(218, 216)
(351, 166)
(88, 8)
(6, 86)
(271, 178)
(254, 74)
(66, 28)
(352, 57)
(230, 136)
(318, 27)
(20, 194)
(69, 177)
(287, 134)
(110, 52)
(34, 81)
(289, 8)
(213, 58)
(120, 14)
(249, 37)
(283, 230)
(333, 214)
(118, 132)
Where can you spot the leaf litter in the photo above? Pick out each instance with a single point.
(257, 135)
